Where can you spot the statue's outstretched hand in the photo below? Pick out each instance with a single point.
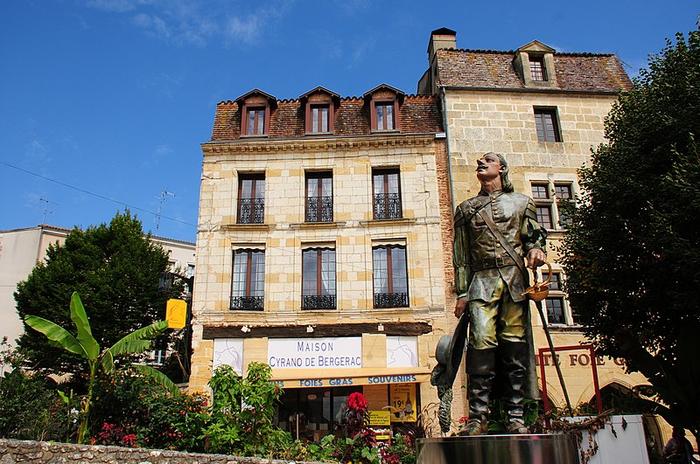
(460, 307)
(536, 258)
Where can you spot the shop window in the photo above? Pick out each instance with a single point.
(251, 198)
(247, 292)
(547, 125)
(319, 197)
(386, 194)
(312, 413)
(318, 282)
(390, 276)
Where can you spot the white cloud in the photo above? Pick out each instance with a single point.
(196, 21)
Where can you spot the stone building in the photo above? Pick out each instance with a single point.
(22, 249)
(321, 252)
(325, 230)
(544, 110)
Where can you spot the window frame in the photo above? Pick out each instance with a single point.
(391, 301)
(385, 172)
(321, 205)
(543, 134)
(255, 104)
(385, 102)
(256, 202)
(552, 201)
(558, 293)
(319, 300)
(538, 60)
(248, 301)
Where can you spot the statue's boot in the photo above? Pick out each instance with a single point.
(481, 368)
(513, 359)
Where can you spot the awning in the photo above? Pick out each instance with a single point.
(316, 378)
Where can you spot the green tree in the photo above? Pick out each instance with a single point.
(632, 254)
(86, 347)
(117, 271)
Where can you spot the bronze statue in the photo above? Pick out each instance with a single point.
(494, 233)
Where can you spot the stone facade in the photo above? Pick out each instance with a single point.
(351, 156)
(489, 101)
(21, 451)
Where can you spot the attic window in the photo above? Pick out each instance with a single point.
(320, 105)
(538, 72)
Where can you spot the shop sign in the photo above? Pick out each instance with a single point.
(348, 381)
(379, 418)
(402, 399)
(311, 353)
(577, 359)
(176, 313)
(229, 352)
(401, 351)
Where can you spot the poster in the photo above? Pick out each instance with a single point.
(402, 399)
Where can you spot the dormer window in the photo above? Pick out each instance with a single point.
(384, 108)
(256, 107)
(384, 115)
(535, 64)
(319, 118)
(256, 121)
(538, 71)
(320, 104)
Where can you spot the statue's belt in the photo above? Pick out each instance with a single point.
(491, 262)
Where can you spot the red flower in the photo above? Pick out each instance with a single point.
(357, 402)
(129, 440)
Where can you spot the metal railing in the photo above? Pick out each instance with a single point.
(390, 300)
(318, 302)
(249, 303)
(251, 210)
(319, 209)
(387, 206)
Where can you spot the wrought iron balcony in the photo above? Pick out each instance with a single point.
(390, 300)
(251, 210)
(387, 206)
(248, 303)
(318, 302)
(319, 209)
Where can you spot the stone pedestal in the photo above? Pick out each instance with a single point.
(499, 449)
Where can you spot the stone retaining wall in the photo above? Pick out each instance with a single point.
(20, 451)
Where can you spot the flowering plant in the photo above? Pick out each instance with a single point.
(357, 402)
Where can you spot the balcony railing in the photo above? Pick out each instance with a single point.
(390, 300)
(319, 209)
(249, 303)
(387, 206)
(251, 210)
(318, 302)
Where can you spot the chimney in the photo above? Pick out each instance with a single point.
(441, 38)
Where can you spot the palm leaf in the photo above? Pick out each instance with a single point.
(80, 319)
(158, 376)
(107, 361)
(56, 334)
(139, 340)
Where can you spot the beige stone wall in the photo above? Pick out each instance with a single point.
(352, 234)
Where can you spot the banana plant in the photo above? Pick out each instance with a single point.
(84, 345)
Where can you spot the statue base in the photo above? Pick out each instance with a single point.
(495, 449)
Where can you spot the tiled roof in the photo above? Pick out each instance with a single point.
(584, 72)
(418, 114)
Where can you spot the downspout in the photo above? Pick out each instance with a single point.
(443, 102)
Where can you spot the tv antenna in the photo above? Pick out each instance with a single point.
(164, 194)
(46, 211)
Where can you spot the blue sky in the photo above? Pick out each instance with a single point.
(113, 97)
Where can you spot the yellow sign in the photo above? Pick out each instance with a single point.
(402, 398)
(176, 313)
(380, 417)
